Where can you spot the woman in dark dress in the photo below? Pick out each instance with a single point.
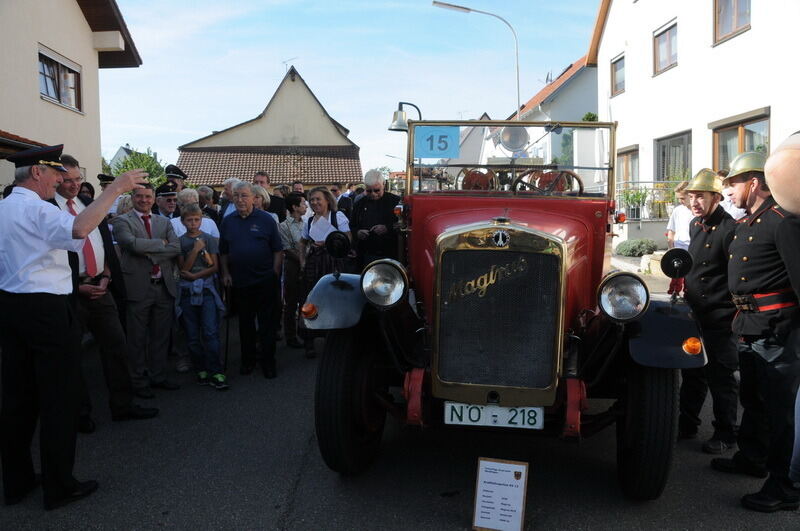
(318, 262)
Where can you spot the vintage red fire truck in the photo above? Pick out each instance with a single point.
(502, 311)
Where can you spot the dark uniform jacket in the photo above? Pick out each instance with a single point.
(707, 282)
(366, 214)
(764, 264)
(277, 205)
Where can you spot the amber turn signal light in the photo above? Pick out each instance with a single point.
(620, 217)
(693, 346)
(309, 311)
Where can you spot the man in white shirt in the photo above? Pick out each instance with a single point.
(39, 337)
(97, 272)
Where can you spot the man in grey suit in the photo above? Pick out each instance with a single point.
(149, 246)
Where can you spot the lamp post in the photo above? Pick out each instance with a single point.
(463, 9)
(399, 121)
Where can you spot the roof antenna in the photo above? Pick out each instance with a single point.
(287, 61)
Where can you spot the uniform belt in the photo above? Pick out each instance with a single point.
(762, 302)
(91, 280)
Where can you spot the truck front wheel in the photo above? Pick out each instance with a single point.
(646, 431)
(349, 418)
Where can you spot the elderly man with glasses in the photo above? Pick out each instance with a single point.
(372, 222)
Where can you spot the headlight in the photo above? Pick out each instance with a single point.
(623, 296)
(384, 283)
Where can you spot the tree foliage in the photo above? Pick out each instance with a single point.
(146, 161)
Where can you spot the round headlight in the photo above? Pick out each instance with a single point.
(384, 283)
(623, 297)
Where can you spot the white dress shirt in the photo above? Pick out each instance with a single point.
(34, 241)
(150, 219)
(341, 220)
(207, 225)
(95, 238)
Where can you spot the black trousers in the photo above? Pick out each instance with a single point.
(40, 337)
(257, 302)
(770, 374)
(717, 376)
(101, 317)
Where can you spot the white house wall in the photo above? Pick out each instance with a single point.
(572, 100)
(293, 118)
(60, 26)
(753, 70)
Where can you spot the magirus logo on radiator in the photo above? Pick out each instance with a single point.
(480, 285)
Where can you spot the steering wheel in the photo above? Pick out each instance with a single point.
(545, 183)
(478, 180)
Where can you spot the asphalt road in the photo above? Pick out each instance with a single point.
(248, 459)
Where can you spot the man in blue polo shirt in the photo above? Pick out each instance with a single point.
(250, 250)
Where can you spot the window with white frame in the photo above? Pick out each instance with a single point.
(674, 157)
(59, 80)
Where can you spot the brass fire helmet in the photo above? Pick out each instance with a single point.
(745, 162)
(705, 181)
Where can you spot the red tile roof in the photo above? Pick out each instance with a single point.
(547, 91)
(310, 164)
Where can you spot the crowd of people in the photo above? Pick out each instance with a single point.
(149, 273)
(743, 291)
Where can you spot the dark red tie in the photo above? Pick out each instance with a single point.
(88, 251)
(156, 269)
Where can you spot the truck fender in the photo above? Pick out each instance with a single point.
(339, 302)
(656, 340)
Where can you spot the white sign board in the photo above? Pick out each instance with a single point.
(500, 495)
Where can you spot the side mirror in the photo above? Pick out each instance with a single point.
(337, 244)
(676, 263)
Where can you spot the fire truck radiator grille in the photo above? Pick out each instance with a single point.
(498, 314)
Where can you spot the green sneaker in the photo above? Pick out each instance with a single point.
(219, 382)
(202, 378)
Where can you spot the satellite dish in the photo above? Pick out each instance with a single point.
(514, 138)
(676, 263)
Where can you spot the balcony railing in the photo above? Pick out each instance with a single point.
(646, 200)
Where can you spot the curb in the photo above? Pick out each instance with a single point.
(622, 265)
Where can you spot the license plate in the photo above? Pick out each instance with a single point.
(531, 418)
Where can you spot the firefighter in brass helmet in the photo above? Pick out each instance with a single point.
(707, 294)
(764, 281)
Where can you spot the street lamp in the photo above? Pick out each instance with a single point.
(399, 121)
(463, 9)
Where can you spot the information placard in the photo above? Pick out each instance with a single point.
(436, 142)
(500, 495)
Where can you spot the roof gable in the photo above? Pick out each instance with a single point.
(293, 117)
(550, 90)
(104, 15)
(597, 34)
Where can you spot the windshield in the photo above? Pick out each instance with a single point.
(525, 158)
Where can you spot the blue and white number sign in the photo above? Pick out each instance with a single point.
(436, 142)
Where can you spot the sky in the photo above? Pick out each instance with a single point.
(210, 64)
